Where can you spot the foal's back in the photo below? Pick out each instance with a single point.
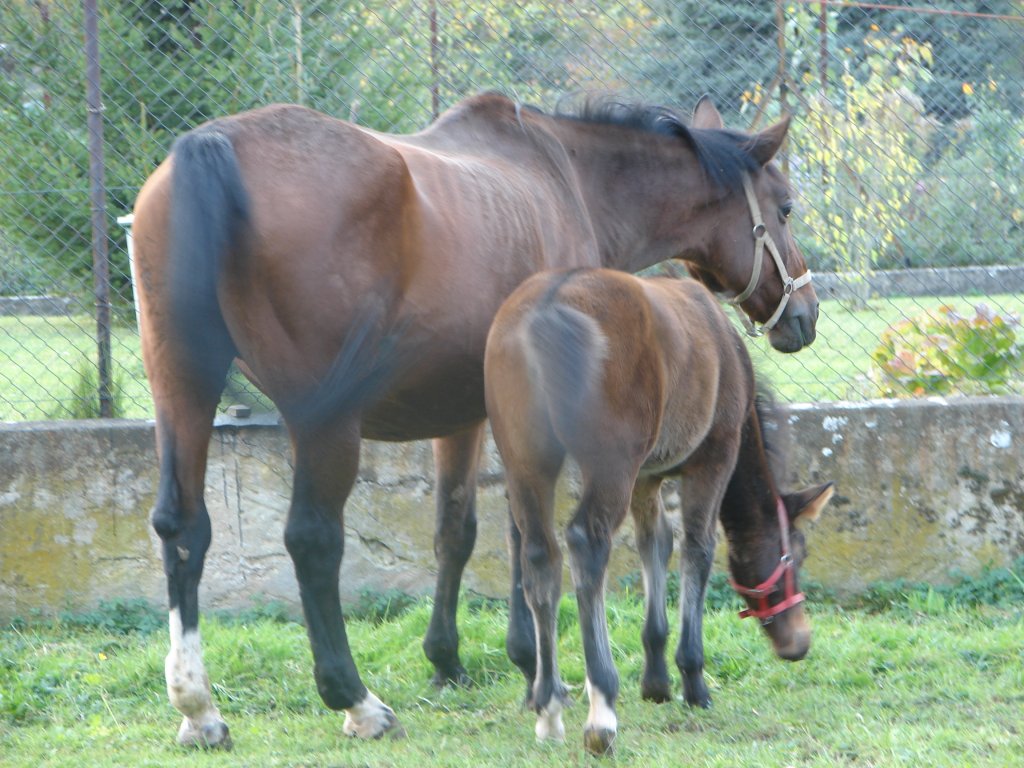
(615, 369)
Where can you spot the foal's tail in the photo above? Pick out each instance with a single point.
(565, 350)
(209, 216)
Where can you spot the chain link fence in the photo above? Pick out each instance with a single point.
(907, 153)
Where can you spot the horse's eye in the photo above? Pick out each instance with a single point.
(784, 211)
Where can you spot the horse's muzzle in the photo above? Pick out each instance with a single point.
(795, 329)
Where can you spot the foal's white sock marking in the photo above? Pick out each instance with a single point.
(549, 722)
(601, 715)
(369, 718)
(188, 687)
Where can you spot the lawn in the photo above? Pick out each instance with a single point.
(43, 360)
(916, 682)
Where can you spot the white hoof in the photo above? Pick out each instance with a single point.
(370, 719)
(602, 724)
(210, 735)
(549, 725)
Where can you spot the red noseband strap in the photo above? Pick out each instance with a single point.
(764, 611)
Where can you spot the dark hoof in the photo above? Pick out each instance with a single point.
(701, 702)
(393, 729)
(457, 677)
(210, 736)
(658, 691)
(696, 693)
(598, 741)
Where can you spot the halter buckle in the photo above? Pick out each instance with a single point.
(760, 230)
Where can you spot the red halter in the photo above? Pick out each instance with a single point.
(769, 586)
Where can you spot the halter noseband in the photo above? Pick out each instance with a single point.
(762, 238)
(765, 612)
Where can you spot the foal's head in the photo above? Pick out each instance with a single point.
(753, 245)
(766, 544)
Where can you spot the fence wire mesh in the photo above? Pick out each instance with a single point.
(907, 151)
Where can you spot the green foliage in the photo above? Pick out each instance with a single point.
(968, 208)
(117, 617)
(996, 587)
(380, 606)
(83, 401)
(859, 147)
(939, 352)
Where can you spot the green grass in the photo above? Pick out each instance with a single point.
(41, 358)
(925, 683)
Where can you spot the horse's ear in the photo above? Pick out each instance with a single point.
(807, 504)
(763, 146)
(705, 115)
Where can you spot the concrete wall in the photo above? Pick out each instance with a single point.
(923, 486)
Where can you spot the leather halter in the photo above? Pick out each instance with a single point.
(765, 612)
(762, 239)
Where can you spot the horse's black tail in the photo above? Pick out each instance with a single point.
(209, 217)
(369, 360)
(566, 349)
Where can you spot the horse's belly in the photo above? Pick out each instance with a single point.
(429, 403)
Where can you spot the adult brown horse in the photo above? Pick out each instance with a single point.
(296, 243)
(636, 380)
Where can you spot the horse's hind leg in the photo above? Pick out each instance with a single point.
(186, 402)
(456, 458)
(589, 536)
(654, 542)
(326, 463)
(521, 637)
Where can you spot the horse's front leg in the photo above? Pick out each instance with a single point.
(521, 636)
(326, 463)
(455, 458)
(654, 543)
(181, 520)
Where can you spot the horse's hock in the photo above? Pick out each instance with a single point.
(922, 487)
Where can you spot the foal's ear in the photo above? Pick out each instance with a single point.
(706, 116)
(807, 504)
(763, 146)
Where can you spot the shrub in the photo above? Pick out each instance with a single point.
(942, 352)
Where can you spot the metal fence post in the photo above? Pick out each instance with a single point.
(97, 202)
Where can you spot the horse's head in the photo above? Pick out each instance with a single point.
(765, 572)
(752, 250)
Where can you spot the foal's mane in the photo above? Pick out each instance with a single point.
(724, 155)
(772, 427)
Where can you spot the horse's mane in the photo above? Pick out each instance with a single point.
(723, 155)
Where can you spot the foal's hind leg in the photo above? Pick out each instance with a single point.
(589, 536)
(456, 458)
(531, 496)
(185, 406)
(654, 542)
(326, 462)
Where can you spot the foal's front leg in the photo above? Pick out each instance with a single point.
(701, 492)
(456, 458)
(326, 462)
